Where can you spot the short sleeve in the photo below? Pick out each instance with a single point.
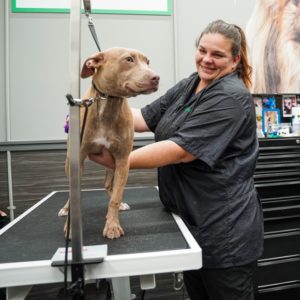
(154, 111)
(210, 128)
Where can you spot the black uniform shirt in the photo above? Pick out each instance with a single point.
(214, 194)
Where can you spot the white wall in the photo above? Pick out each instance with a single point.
(39, 51)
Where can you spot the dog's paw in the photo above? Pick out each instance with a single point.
(63, 212)
(112, 230)
(124, 206)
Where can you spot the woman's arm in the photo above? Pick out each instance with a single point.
(151, 156)
(159, 154)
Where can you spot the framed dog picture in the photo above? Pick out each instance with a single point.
(258, 111)
(288, 102)
(270, 120)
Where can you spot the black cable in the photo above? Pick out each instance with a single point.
(143, 294)
(83, 123)
(67, 240)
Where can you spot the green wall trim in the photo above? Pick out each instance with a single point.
(16, 9)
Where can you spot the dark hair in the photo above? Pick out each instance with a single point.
(239, 45)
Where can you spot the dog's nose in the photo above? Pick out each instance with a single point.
(155, 79)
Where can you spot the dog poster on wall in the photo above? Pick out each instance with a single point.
(273, 34)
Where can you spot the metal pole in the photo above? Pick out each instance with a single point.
(10, 187)
(74, 155)
(11, 206)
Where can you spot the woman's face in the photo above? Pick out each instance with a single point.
(214, 58)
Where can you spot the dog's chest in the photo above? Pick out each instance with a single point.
(102, 141)
(109, 126)
(110, 135)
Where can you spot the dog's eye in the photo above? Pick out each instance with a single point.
(148, 62)
(129, 59)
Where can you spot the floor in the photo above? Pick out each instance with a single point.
(32, 183)
(164, 291)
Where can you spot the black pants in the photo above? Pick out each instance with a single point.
(4, 220)
(234, 283)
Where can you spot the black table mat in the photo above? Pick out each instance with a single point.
(148, 227)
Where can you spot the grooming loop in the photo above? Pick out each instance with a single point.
(80, 102)
(88, 10)
(93, 31)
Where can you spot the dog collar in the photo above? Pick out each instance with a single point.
(102, 95)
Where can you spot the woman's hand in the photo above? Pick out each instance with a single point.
(2, 214)
(104, 158)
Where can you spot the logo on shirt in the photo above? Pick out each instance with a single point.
(188, 109)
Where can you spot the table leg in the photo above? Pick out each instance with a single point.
(121, 288)
(17, 292)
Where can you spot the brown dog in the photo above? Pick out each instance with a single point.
(117, 73)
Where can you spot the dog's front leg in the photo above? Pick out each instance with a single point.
(112, 227)
(108, 183)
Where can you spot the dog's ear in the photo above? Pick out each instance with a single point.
(91, 64)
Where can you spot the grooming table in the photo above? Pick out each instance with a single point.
(155, 241)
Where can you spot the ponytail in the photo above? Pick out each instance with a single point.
(244, 69)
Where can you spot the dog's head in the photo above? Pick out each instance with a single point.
(121, 72)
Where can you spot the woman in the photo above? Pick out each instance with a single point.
(205, 150)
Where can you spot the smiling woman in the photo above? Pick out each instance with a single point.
(214, 59)
(205, 150)
(220, 52)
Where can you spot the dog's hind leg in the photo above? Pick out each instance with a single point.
(64, 211)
